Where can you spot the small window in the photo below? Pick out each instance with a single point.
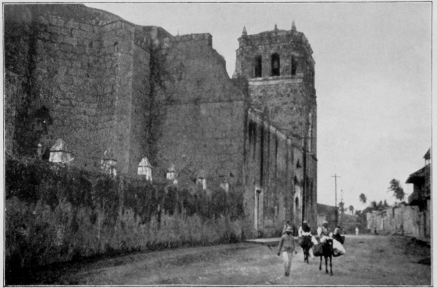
(297, 202)
(275, 64)
(293, 65)
(258, 67)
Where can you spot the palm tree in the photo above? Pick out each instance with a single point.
(363, 198)
(397, 190)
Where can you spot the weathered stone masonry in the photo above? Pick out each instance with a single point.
(81, 70)
(254, 134)
(280, 71)
(204, 126)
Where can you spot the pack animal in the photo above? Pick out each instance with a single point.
(306, 246)
(327, 252)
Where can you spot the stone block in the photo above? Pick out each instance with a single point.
(86, 27)
(64, 31)
(44, 35)
(81, 73)
(55, 37)
(70, 40)
(79, 50)
(72, 24)
(54, 20)
(54, 29)
(65, 47)
(79, 33)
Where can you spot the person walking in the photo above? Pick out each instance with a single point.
(286, 248)
(286, 225)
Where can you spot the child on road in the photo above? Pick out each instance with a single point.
(287, 247)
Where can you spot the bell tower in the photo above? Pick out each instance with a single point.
(279, 67)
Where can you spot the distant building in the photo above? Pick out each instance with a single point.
(422, 184)
(326, 213)
(412, 218)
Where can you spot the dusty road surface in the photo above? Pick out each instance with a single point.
(370, 260)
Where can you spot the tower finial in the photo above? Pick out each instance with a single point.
(293, 26)
(244, 31)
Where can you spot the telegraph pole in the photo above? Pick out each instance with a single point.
(336, 212)
(342, 212)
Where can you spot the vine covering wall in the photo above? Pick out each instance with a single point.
(58, 213)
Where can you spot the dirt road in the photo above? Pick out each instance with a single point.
(370, 260)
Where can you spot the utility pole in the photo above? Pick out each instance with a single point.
(336, 212)
(342, 212)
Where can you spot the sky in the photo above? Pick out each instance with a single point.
(373, 79)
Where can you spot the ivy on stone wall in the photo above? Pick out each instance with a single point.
(59, 213)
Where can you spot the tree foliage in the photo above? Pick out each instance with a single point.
(363, 198)
(351, 209)
(396, 189)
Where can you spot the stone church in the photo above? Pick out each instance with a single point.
(126, 95)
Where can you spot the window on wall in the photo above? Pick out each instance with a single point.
(258, 67)
(275, 64)
(293, 65)
(297, 202)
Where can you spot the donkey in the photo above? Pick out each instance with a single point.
(306, 245)
(328, 251)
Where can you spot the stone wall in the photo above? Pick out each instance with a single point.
(288, 101)
(274, 178)
(107, 83)
(204, 125)
(405, 220)
(13, 98)
(290, 97)
(91, 70)
(88, 68)
(285, 43)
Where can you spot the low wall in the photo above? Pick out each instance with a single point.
(57, 213)
(407, 220)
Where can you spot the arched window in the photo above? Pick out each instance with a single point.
(293, 65)
(258, 66)
(275, 64)
(297, 202)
